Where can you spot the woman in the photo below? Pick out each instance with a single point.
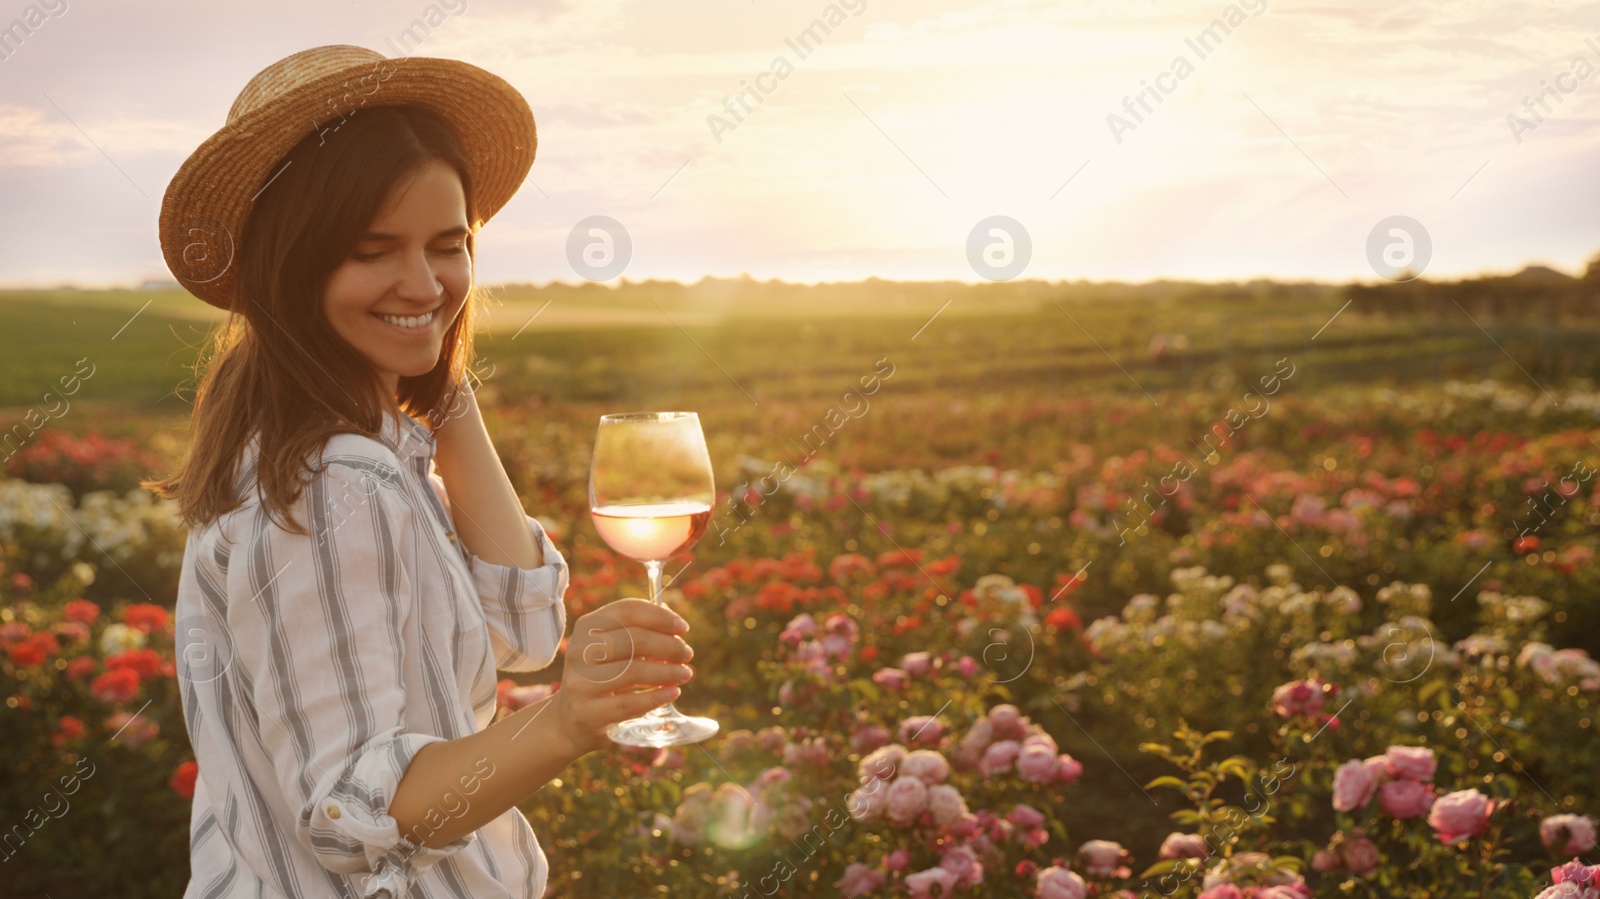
(342, 608)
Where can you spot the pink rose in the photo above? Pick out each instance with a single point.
(776, 776)
(1104, 858)
(869, 738)
(1184, 845)
(923, 730)
(1410, 762)
(1325, 860)
(1068, 769)
(917, 664)
(1406, 798)
(1041, 739)
(804, 626)
(1222, 891)
(967, 666)
(891, 678)
(1567, 834)
(841, 625)
(1353, 786)
(1360, 855)
(945, 805)
(1025, 816)
(140, 731)
(1575, 872)
(923, 883)
(926, 765)
(1037, 763)
(859, 880)
(964, 826)
(772, 739)
(999, 757)
(961, 862)
(881, 762)
(979, 736)
(1460, 815)
(1058, 883)
(898, 860)
(1007, 722)
(908, 799)
(1378, 767)
(1299, 698)
(868, 803)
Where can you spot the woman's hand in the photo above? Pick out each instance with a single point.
(613, 653)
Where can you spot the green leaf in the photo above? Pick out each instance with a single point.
(1158, 869)
(1167, 780)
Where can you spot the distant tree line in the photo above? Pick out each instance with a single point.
(1536, 294)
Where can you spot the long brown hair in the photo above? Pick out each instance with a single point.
(276, 366)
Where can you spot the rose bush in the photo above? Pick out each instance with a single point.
(1292, 649)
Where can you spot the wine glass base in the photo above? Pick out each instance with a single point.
(671, 729)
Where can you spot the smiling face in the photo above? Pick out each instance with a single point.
(397, 294)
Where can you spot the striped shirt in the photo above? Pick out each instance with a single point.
(312, 669)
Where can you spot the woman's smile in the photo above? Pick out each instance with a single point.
(398, 293)
(410, 324)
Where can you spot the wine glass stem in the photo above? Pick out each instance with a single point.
(653, 571)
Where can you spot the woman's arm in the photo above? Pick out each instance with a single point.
(487, 513)
(454, 787)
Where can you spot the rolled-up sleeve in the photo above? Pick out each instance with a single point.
(319, 623)
(525, 607)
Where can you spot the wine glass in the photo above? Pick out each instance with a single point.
(650, 496)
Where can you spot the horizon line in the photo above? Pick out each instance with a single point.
(153, 284)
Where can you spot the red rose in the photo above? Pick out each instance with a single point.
(116, 685)
(182, 780)
(32, 652)
(68, 729)
(146, 617)
(145, 661)
(82, 610)
(80, 667)
(1063, 618)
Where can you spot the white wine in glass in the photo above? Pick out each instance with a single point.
(650, 495)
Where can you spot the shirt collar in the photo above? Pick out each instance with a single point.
(409, 438)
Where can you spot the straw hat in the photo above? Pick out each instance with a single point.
(314, 91)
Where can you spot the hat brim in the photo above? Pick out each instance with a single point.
(209, 200)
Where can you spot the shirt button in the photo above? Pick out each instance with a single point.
(451, 535)
(333, 812)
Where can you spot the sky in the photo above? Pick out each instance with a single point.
(1278, 144)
